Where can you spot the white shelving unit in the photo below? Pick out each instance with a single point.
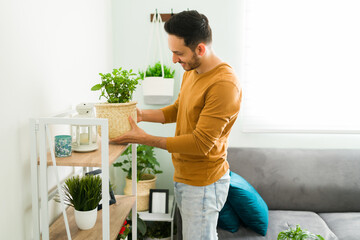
(162, 217)
(103, 157)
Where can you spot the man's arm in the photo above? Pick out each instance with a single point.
(150, 115)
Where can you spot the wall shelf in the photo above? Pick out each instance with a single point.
(89, 159)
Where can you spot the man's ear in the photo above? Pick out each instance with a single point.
(201, 49)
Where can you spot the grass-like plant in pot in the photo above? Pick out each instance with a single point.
(155, 71)
(298, 234)
(147, 168)
(84, 194)
(118, 88)
(158, 87)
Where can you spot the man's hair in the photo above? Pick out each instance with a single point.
(192, 26)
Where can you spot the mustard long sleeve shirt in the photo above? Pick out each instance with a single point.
(205, 110)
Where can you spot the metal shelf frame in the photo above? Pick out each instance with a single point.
(38, 133)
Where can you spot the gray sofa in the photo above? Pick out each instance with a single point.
(317, 189)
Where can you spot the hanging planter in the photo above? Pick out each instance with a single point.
(158, 85)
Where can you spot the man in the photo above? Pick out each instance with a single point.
(205, 111)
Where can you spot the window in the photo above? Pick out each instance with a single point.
(302, 66)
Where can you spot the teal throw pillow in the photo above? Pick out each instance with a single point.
(228, 220)
(248, 204)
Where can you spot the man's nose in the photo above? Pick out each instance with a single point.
(175, 58)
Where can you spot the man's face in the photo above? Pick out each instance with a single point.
(182, 54)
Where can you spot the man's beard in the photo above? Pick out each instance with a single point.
(193, 63)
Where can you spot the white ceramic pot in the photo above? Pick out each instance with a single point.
(85, 219)
(158, 90)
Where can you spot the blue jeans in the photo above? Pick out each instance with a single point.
(200, 206)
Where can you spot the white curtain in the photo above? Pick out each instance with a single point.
(302, 66)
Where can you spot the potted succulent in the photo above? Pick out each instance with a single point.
(158, 87)
(118, 88)
(146, 174)
(84, 194)
(298, 234)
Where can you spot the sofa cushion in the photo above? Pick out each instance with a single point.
(344, 225)
(325, 180)
(228, 219)
(248, 204)
(280, 221)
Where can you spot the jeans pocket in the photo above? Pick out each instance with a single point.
(222, 189)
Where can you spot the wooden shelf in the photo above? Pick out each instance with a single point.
(88, 159)
(118, 213)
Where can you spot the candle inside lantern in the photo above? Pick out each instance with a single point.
(84, 138)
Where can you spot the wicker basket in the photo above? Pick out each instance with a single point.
(118, 116)
(143, 191)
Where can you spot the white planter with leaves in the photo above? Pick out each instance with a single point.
(158, 90)
(85, 219)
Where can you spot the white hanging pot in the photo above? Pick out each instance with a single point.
(85, 219)
(158, 90)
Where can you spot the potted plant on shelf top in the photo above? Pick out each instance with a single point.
(158, 87)
(84, 194)
(147, 168)
(118, 88)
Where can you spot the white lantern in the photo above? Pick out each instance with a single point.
(84, 136)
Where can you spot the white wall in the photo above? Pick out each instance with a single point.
(50, 55)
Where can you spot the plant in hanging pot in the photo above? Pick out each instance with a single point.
(147, 168)
(84, 194)
(158, 87)
(118, 88)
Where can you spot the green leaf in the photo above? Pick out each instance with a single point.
(96, 87)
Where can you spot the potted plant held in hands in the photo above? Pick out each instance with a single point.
(146, 174)
(118, 88)
(158, 87)
(84, 194)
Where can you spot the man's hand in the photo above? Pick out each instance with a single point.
(133, 136)
(137, 135)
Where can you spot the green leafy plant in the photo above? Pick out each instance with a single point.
(155, 71)
(158, 229)
(141, 227)
(118, 86)
(298, 234)
(146, 162)
(82, 193)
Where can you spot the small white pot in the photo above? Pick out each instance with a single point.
(158, 90)
(85, 219)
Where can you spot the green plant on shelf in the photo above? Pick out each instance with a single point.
(146, 162)
(82, 193)
(157, 229)
(155, 71)
(118, 86)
